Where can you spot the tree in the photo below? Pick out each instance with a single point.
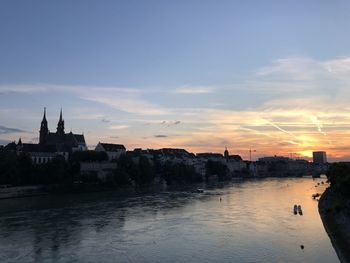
(57, 170)
(8, 167)
(339, 177)
(179, 173)
(216, 168)
(24, 169)
(121, 177)
(145, 171)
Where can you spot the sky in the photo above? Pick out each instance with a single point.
(271, 76)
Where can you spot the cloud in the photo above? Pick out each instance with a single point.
(118, 127)
(303, 106)
(194, 89)
(126, 103)
(161, 136)
(128, 100)
(6, 130)
(338, 66)
(23, 88)
(124, 99)
(170, 123)
(296, 68)
(299, 75)
(105, 120)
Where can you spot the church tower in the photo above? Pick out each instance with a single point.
(60, 125)
(226, 154)
(44, 130)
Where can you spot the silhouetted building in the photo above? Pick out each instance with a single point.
(234, 157)
(174, 152)
(40, 153)
(12, 146)
(64, 142)
(226, 153)
(217, 157)
(50, 144)
(113, 150)
(273, 159)
(319, 157)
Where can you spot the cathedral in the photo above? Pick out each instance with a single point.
(64, 142)
(51, 144)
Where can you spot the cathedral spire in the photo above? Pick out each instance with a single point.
(61, 115)
(44, 130)
(44, 118)
(60, 125)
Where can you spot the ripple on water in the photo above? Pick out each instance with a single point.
(253, 222)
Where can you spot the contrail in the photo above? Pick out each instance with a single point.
(280, 129)
(318, 124)
(255, 131)
(268, 135)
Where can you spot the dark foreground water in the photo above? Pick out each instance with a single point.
(253, 222)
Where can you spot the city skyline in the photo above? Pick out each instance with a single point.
(272, 77)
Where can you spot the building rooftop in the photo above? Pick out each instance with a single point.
(111, 147)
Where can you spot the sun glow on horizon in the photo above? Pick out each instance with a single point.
(286, 124)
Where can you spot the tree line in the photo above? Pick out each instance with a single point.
(18, 169)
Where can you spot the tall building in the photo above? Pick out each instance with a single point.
(319, 157)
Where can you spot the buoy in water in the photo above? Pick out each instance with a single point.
(302, 246)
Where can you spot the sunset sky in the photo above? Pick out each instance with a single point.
(273, 76)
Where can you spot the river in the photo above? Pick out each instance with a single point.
(242, 221)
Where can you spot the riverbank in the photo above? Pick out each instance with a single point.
(22, 191)
(10, 192)
(336, 220)
(38, 190)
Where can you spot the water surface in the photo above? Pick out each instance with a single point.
(253, 222)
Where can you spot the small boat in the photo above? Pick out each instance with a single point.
(295, 210)
(299, 210)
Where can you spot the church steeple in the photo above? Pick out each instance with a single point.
(60, 125)
(44, 130)
(226, 154)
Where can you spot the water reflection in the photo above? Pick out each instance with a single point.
(253, 222)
